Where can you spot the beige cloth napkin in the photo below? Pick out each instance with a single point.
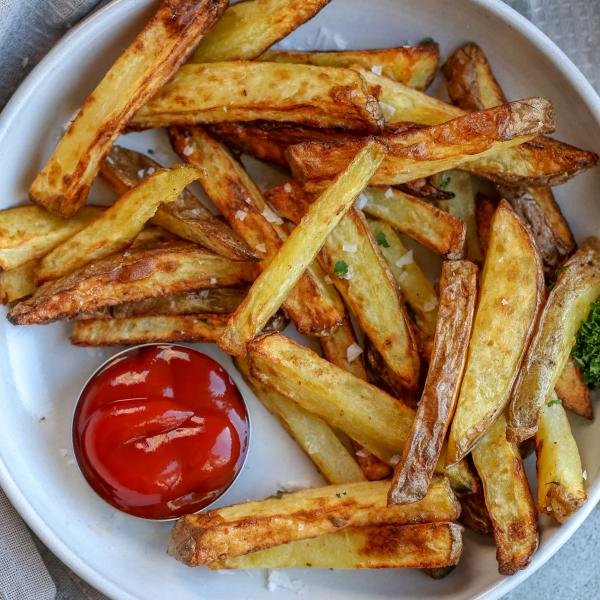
(28, 28)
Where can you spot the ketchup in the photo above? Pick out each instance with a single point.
(160, 431)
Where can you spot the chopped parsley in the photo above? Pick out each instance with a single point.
(445, 181)
(340, 268)
(279, 494)
(382, 240)
(150, 151)
(553, 402)
(426, 40)
(586, 352)
(340, 494)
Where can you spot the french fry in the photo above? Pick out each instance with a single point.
(30, 232)
(115, 228)
(154, 55)
(426, 545)
(186, 217)
(414, 66)
(133, 275)
(425, 151)
(341, 349)
(507, 497)
(360, 273)
(18, 282)
(511, 293)
(246, 91)
(414, 471)
(461, 205)
(561, 490)
(311, 433)
(568, 304)
(239, 529)
(543, 161)
(130, 331)
(222, 301)
(314, 305)
(291, 201)
(285, 269)
(247, 29)
(368, 415)
(438, 230)
(573, 392)
(472, 86)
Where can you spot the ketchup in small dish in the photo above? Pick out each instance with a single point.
(160, 431)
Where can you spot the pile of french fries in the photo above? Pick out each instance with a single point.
(420, 405)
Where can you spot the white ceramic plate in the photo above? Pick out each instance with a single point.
(41, 374)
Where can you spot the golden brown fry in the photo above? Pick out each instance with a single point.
(285, 268)
(30, 232)
(360, 273)
(508, 498)
(438, 230)
(237, 530)
(247, 29)
(341, 349)
(424, 151)
(115, 228)
(222, 301)
(311, 433)
(462, 206)
(18, 282)
(561, 490)
(368, 415)
(472, 85)
(511, 293)
(543, 161)
(566, 307)
(146, 329)
(414, 66)
(133, 275)
(458, 294)
(485, 208)
(186, 217)
(313, 304)
(154, 55)
(247, 91)
(426, 545)
(573, 392)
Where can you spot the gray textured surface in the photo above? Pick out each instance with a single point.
(574, 25)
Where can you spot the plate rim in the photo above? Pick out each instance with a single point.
(17, 497)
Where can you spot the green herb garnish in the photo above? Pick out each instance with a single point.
(279, 494)
(340, 268)
(586, 351)
(382, 240)
(150, 151)
(340, 494)
(445, 181)
(426, 40)
(553, 402)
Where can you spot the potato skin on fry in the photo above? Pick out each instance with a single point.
(133, 275)
(567, 306)
(154, 55)
(573, 392)
(239, 529)
(424, 151)
(422, 546)
(458, 294)
(130, 331)
(246, 91)
(512, 288)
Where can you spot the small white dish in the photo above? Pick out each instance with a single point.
(41, 373)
